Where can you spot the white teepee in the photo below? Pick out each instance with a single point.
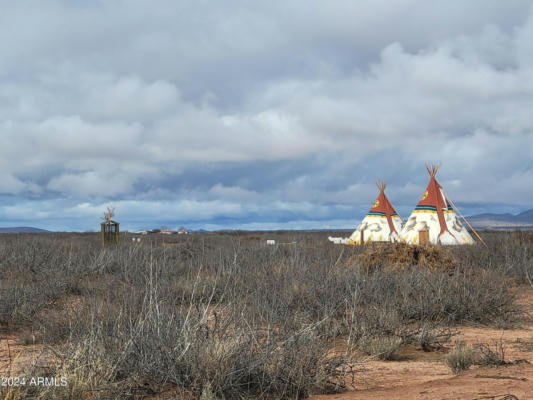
(381, 224)
(433, 220)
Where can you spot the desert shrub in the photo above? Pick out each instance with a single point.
(207, 393)
(508, 253)
(491, 355)
(385, 301)
(382, 347)
(401, 256)
(18, 304)
(230, 356)
(461, 357)
(13, 393)
(426, 335)
(433, 296)
(232, 315)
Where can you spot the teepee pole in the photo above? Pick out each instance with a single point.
(464, 219)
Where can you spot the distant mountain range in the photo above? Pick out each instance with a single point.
(23, 229)
(502, 221)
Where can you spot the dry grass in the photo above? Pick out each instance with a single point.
(225, 316)
(383, 347)
(400, 257)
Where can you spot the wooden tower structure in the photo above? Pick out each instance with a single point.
(109, 231)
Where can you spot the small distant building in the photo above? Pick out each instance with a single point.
(271, 242)
(182, 231)
(338, 240)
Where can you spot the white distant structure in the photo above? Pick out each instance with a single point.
(338, 240)
(271, 242)
(433, 221)
(182, 231)
(381, 224)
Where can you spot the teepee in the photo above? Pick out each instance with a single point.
(433, 220)
(381, 224)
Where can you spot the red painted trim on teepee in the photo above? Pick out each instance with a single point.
(433, 198)
(383, 205)
(391, 225)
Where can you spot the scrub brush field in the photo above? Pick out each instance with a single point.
(226, 316)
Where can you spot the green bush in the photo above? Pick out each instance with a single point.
(461, 357)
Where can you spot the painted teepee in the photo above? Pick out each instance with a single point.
(381, 224)
(433, 220)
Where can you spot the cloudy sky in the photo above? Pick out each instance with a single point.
(260, 115)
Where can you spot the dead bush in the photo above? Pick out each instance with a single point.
(400, 256)
(382, 347)
(491, 355)
(428, 336)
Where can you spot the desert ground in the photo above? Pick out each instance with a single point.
(226, 316)
(424, 375)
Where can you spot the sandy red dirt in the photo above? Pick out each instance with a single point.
(17, 352)
(421, 375)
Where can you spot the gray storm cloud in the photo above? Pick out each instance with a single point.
(124, 102)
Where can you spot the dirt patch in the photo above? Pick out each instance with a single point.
(472, 385)
(17, 351)
(425, 375)
(400, 256)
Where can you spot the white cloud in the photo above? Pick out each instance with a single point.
(234, 193)
(106, 101)
(10, 184)
(91, 183)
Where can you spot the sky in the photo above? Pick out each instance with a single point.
(260, 115)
